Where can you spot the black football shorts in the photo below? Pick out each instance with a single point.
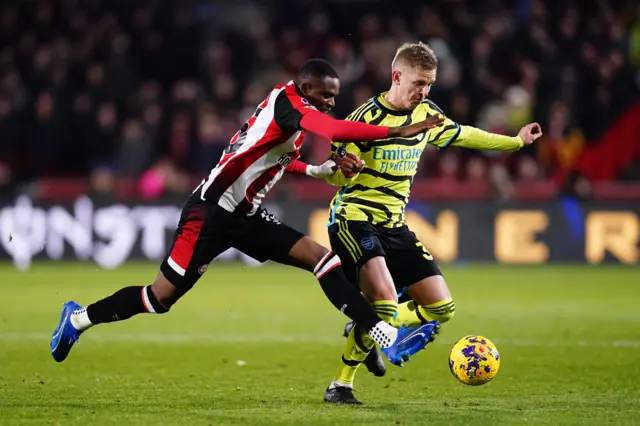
(205, 231)
(356, 242)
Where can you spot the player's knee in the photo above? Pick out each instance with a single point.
(308, 254)
(381, 292)
(320, 254)
(442, 313)
(162, 294)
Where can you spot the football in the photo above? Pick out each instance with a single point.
(474, 360)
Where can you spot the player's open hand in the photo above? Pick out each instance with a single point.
(350, 164)
(417, 128)
(530, 133)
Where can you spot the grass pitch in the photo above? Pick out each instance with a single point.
(259, 346)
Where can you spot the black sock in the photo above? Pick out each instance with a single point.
(123, 304)
(344, 296)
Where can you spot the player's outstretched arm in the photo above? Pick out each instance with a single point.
(473, 138)
(353, 131)
(453, 134)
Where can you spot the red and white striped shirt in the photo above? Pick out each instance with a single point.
(259, 152)
(267, 143)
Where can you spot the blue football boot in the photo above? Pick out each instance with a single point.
(410, 341)
(65, 334)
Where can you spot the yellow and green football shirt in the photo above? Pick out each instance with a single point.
(379, 194)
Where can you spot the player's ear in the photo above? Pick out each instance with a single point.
(305, 87)
(395, 76)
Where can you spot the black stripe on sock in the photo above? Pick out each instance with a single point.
(448, 311)
(446, 305)
(351, 362)
(385, 305)
(441, 310)
(386, 312)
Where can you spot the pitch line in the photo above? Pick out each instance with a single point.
(174, 338)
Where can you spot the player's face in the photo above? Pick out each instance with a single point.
(321, 92)
(414, 85)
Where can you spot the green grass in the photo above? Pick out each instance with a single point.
(569, 339)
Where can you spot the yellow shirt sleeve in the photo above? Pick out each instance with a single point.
(338, 178)
(452, 133)
(473, 138)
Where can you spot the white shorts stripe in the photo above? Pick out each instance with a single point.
(147, 303)
(179, 269)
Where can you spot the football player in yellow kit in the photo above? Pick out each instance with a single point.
(367, 225)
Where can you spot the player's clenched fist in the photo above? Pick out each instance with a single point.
(350, 164)
(530, 133)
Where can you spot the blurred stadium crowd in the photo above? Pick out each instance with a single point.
(108, 88)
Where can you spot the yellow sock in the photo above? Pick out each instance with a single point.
(359, 344)
(411, 314)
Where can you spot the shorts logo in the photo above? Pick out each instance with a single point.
(268, 217)
(203, 269)
(367, 243)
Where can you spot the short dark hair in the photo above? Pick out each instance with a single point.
(415, 55)
(317, 67)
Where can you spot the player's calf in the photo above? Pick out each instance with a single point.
(127, 302)
(373, 361)
(357, 348)
(431, 301)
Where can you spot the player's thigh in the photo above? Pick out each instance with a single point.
(265, 237)
(199, 238)
(358, 246)
(414, 270)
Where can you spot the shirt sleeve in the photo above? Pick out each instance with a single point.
(342, 130)
(473, 138)
(289, 110)
(297, 166)
(451, 133)
(445, 135)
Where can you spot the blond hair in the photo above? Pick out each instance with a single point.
(415, 55)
